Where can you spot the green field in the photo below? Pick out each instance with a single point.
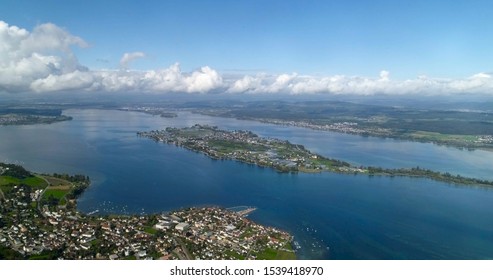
(226, 146)
(150, 230)
(439, 137)
(56, 181)
(272, 254)
(6, 182)
(56, 193)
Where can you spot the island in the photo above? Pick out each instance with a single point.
(39, 220)
(24, 116)
(163, 113)
(281, 155)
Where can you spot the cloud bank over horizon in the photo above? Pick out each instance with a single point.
(43, 61)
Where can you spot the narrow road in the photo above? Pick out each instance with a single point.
(38, 201)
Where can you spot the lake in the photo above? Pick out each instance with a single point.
(332, 216)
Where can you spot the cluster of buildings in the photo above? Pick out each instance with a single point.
(484, 139)
(151, 110)
(16, 119)
(244, 146)
(58, 232)
(343, 127)
(215, 233)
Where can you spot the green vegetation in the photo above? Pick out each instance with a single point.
(9, 254)
(247, 147)
(55, 197)
(285, 255)
(234, 255)
(13, 170)
(42, 224)
(54, 182)
(225, 146)
(57, 193)
(23, 116)
(448, 127)
(283, 156)
(272, 254)
(34, 182)
(434, 175)
(8, 182)
(46, 255)
(150, 230)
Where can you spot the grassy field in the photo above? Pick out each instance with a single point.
(56, 193)
(150, 230)
(439, 137)
(30, 181)
(272, 254)
(56, 181)
(226, 146)
(34, 182)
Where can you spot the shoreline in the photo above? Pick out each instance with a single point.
(49, 216)
(316, 127)
(283, 156)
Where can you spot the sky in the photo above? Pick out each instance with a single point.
(247, 47)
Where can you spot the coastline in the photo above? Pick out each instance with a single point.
(51, 219)
(283, 156)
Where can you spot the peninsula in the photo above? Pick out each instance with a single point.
(281, 155)
(39, 220)
(22, 119)
(163, 113)
(449, 125)
(25, 116)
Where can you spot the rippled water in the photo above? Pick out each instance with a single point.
(332, 216)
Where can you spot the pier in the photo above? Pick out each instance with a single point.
(242, 210)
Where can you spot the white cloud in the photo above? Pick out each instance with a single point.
(128, 57)
(173, 79)
(26, 57)
(246, 83)
(42, 61)
(384, 75)
(69, 81)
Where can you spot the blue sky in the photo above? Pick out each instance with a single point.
(321, 39)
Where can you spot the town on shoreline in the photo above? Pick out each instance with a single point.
(39, 220)
(281, 155)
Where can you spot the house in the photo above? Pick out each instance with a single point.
(141, 254)
(163, 225)
(182, 226)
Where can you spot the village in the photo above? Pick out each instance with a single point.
(283, 156)
(32, 229)
(248, 147)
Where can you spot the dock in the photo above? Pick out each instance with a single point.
(243, 210)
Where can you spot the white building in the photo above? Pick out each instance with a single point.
(182, 226)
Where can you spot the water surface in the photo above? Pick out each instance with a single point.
(332, 216)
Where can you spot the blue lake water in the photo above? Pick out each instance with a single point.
(332, 216)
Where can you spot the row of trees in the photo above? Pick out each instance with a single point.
(72, 178)
(14, 170)
(435, 175)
